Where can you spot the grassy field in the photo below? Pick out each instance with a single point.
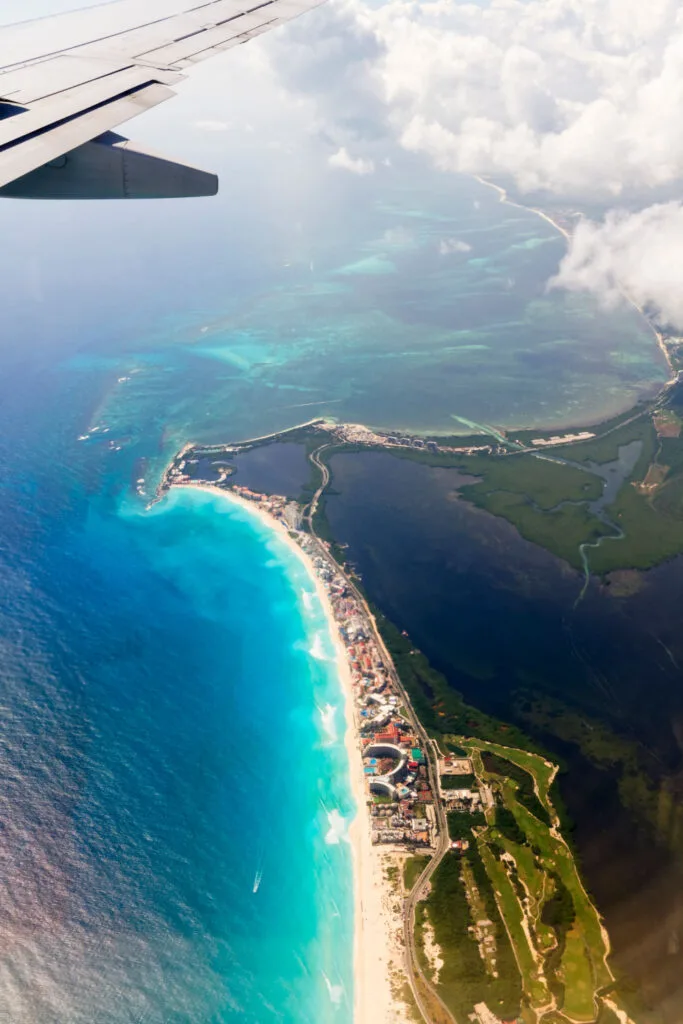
(457, 781)
(412, 869)
(557, 857)
(577, 976)
(538, 887)
(524, 781)
(541, 770)
(511, 911)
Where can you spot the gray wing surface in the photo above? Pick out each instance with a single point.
(67, 81)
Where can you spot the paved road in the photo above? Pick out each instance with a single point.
(325, 479)
(419, 890)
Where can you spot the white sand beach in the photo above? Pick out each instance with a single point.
(378, 950)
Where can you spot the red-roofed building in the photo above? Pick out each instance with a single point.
(390, 735)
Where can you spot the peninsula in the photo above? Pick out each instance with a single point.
(469, 903)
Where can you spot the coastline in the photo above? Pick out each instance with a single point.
(373, 950)
(659, 337)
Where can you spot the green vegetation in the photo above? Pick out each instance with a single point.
(561, 531)
(534, 986)
(542, 771)
(546, 500)
(539, 481)
(541, 498)
(576, 974)
(508, 826)
(539, 892)
(412, 869)
(458, 781)
(606, 447)
(542, 867)
(526, 436)
(559, 911)
(464, 979)
(648, 508)
(460, 823)
(405, 994)
(652, 525)
(651, 800)
(441, 709)
(496, 765)
(554, 928)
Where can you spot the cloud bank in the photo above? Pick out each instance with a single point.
(356, 165)
(578, 99)
(640, 254)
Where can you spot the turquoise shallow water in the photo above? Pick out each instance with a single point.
(414, 301)
(174, 800)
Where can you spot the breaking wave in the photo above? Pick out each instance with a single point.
(338, 830)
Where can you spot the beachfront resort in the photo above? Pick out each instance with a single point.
(395, 766)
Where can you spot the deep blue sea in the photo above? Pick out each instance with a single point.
(170, 742)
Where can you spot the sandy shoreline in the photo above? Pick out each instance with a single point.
(375, 949)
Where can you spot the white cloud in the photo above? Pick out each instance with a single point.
(356, 165)
(635, 254)
(451, 245)
(579, 97)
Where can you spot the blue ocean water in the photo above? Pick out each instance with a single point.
(174, 785)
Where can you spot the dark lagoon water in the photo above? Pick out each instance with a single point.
(497, 615)
(281, 468)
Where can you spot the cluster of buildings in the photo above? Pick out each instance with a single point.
(357, 433)
(547, 442)
(283, 509)
(394, 765)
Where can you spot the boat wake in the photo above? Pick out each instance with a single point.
(259, 871)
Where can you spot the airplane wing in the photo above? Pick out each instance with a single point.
(67, 81)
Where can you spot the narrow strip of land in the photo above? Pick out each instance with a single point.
(495, 919)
